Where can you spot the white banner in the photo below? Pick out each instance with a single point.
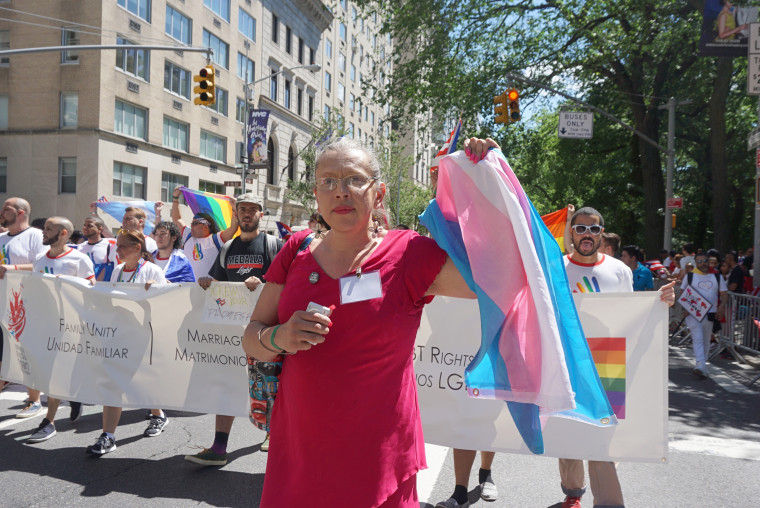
(117, 344)
(628, 336)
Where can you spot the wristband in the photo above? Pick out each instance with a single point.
(264, 345)
(280, 351)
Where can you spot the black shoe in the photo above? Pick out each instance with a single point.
(156, 426)
(103, 445)
(76, 411)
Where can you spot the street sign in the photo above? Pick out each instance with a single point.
(236, 183)
(576, 124)
(753, 60)
(675, 203)
(248, 171)
(753, 140)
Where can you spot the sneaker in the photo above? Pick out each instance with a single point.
(488, 491)
(103, 445)
(699, 373)
(76, 411)
(31, 409)
(45, 431)
(156, 426)
(451, 503)
(571, 502)
(207, 458)
(265, 444)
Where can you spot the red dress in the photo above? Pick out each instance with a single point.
(346, 429)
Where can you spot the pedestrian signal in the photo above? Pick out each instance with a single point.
(205, 88)
(514, 105)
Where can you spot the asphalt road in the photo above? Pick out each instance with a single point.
(714, 457)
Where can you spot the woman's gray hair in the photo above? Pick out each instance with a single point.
(346, 144)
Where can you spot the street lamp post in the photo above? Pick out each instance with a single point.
(248, 89)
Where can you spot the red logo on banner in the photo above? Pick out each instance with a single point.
(17, 319)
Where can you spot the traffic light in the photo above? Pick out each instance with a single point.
(205, 88)
(514, 105)
(500, 109)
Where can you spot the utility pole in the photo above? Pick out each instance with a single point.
(671, 107)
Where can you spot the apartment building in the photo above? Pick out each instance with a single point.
(79, 124)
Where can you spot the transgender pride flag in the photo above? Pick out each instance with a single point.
(533, 353)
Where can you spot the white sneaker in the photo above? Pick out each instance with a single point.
(488, 491)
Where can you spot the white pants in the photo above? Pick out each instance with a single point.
(700, 339)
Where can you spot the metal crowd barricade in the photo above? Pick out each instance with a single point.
(740, 332)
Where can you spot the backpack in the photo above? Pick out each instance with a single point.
(213, 237)
(690, 278)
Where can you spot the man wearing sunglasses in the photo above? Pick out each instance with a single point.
(591, 271)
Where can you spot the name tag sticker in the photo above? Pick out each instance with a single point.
(359, 289)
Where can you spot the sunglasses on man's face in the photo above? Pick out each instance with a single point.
(580, 229)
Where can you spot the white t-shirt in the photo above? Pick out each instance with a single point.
(21, 248)
(609, 275)
(100, 253)
(71, 262)
(201, 252)
(686, 259)
(146, 271)
(706, 285)
(150, 244)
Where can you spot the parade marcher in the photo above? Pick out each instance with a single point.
(137, 267)
(463, 461)
(134, 220)
(608, 275)
(59, 260)
(243, 259)
(713, 288)
(632, 257)
(735, 281)
(169, 256)
(201, 241)
(610, 243)
(19, 247)
(101, 250)
(352, 370)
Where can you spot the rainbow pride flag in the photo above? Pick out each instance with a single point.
(609, 357)
(533, 353)
(555, 222)
(217, 206)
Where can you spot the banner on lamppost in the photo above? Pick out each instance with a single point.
(725, 28)
(256, 140)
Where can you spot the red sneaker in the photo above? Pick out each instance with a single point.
(571, 502)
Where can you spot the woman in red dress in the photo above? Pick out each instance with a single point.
(346, 429)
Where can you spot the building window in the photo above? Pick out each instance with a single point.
(342, 31)
(341, 92)
(326, 113)
(328, 81)
(130, 120)
(246, 24)
(275, 29)
(372, 118)
(273, 85)
(178, 26)
(342, 62)
(128, 180)
(220, 104)
(299, 101)
(328, 49)
(287, 93)
(133, 61)
(69, 109)
(311, 108)
(3, 174)
(351, 129)
(176, 134)
(351, 101)
(168, 182)
(140, 8)
(246, 67)
(311, 56)
(343, 4)
(292, 163)
(5, 43)
(300, 50)
(221, 49)
(271, 162)
(213, 147)
(67, 175)
(352, 73)
(215, 188)
(219, 7)
(176, 79)
(240, 110)
(288, 40)
(4, 112)
(70, 37)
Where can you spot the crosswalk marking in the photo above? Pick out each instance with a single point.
(720, 446)
(426, 479)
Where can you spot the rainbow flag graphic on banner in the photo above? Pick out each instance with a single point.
(555, 222)
(216, 205)
(609, 357)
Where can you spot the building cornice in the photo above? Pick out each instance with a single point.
(317, 12)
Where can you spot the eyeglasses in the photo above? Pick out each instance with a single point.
(580, 229)
(701, 261)
(203, 222)
(353, 182)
